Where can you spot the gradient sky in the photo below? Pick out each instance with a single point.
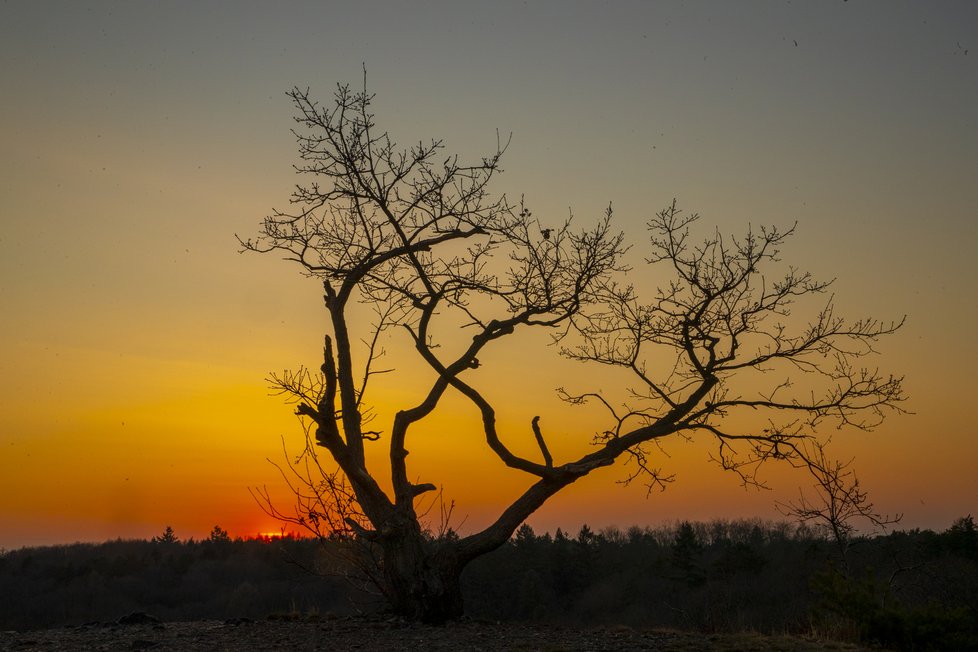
(139, 137)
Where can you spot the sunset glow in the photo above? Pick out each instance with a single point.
(139, 139)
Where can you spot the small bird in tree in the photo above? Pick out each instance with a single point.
(546, 233)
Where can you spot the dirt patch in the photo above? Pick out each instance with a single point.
(390, 636)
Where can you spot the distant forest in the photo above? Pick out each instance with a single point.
(915, 589)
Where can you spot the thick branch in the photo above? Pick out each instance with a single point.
(547, 459)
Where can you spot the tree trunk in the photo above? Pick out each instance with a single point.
(423, 578)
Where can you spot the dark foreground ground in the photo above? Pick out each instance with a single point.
(387, 635)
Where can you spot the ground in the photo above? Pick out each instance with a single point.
(389, 635)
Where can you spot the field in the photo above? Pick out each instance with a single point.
(392, 635)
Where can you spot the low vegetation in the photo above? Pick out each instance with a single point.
(914, 589)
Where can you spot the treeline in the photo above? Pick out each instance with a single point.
(905, 590)
(914, 589)
(217, 578)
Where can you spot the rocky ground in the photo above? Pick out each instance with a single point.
(141, 632)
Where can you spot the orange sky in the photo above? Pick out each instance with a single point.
(138, 139)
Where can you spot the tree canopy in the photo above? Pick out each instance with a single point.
(416, 234)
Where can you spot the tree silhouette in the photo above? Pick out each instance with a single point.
(168, 537)
(416, 235)
(219, 535)
(839, 501)
(685, 550)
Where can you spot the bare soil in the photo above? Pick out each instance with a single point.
(388, 635)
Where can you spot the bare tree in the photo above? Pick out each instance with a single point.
(416, 235)
(839, 501)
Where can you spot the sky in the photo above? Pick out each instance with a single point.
(139, 138)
